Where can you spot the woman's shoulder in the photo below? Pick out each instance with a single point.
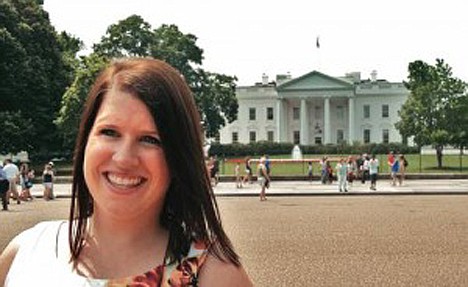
(202, 267)
(218, 270)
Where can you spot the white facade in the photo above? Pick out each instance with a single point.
(317, 109)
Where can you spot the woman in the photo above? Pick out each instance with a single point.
(143, 210)
(26, 176)
(263, 178)
(48, 181)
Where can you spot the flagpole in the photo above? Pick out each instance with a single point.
(318, 60)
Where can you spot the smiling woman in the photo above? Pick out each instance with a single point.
(143, 211)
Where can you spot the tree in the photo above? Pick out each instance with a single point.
(33, 75)
(73, 100)
(214, 93)
(16, 132)
(429, 114)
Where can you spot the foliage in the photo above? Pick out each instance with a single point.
(73, 100)
(435, 112)
(33, 74)
(16, 132)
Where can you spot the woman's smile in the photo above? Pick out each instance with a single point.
(120, 180)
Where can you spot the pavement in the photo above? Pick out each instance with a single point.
(315, 188)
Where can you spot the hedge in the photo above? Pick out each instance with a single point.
(271, 148)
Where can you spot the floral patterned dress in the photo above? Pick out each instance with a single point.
(183, 274)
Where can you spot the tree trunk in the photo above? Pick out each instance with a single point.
(439, 149)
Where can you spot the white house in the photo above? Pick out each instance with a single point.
(317, 109)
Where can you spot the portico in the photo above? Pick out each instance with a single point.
(317, 97)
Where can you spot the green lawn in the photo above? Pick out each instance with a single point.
(416, 164)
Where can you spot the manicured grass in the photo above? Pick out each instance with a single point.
(416, 164)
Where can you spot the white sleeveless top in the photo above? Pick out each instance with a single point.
(41, 261)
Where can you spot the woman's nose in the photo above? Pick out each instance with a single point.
(125, 154)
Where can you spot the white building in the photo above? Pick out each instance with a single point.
(317, 109)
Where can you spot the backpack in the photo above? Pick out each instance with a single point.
(405, 162)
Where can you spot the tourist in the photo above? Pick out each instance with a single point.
(12, 174)
(373, 172)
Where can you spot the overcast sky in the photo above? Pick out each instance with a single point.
(248, 38)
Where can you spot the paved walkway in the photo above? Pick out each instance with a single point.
(305, 188)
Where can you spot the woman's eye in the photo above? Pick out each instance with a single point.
(109, 132)
(151, 140)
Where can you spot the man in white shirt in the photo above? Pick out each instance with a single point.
(12, 174)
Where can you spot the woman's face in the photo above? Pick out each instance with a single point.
(124, 165)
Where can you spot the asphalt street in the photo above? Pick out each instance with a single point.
(408, 239)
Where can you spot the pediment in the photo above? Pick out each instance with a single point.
(315, 81)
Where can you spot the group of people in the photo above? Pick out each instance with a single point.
(143, 211)
(263, 174)
(364, 168)
(11, 176)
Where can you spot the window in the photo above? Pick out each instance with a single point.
(318, 140)
(269, 114)
(252, 137)
(339, 136)
(297, 137)
(366, 111)
(252, 114)
(296, 113)
(318, 113)
(384, 111)
(340, 112)
(235, 137)
(385, 137)
(270, 136)
(366, 136)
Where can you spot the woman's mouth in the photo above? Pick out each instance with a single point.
(124, 181)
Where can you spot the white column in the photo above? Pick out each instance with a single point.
(304, 123)
(280, 119)
(326, 121)
(351, 120)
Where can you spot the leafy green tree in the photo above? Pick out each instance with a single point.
(214, 93)
(33, 75)
(16, 132)
(73, 100)
(129, 37)
(428, 114)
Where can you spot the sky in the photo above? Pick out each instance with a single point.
(245, 38)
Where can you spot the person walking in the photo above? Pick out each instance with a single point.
(48, 179)
(324, 170)
(26, 177)
(390, 161)
(352, 170)
(4, 187)
(341, 173)
(263, 178)
(12, 174)
(394, 172)
(373, 172)
(403, 163)
(248, 171)
(364, 168)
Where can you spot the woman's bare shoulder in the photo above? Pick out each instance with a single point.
(6, 259)
(215, 271)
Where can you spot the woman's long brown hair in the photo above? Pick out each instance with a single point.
(190, 211)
